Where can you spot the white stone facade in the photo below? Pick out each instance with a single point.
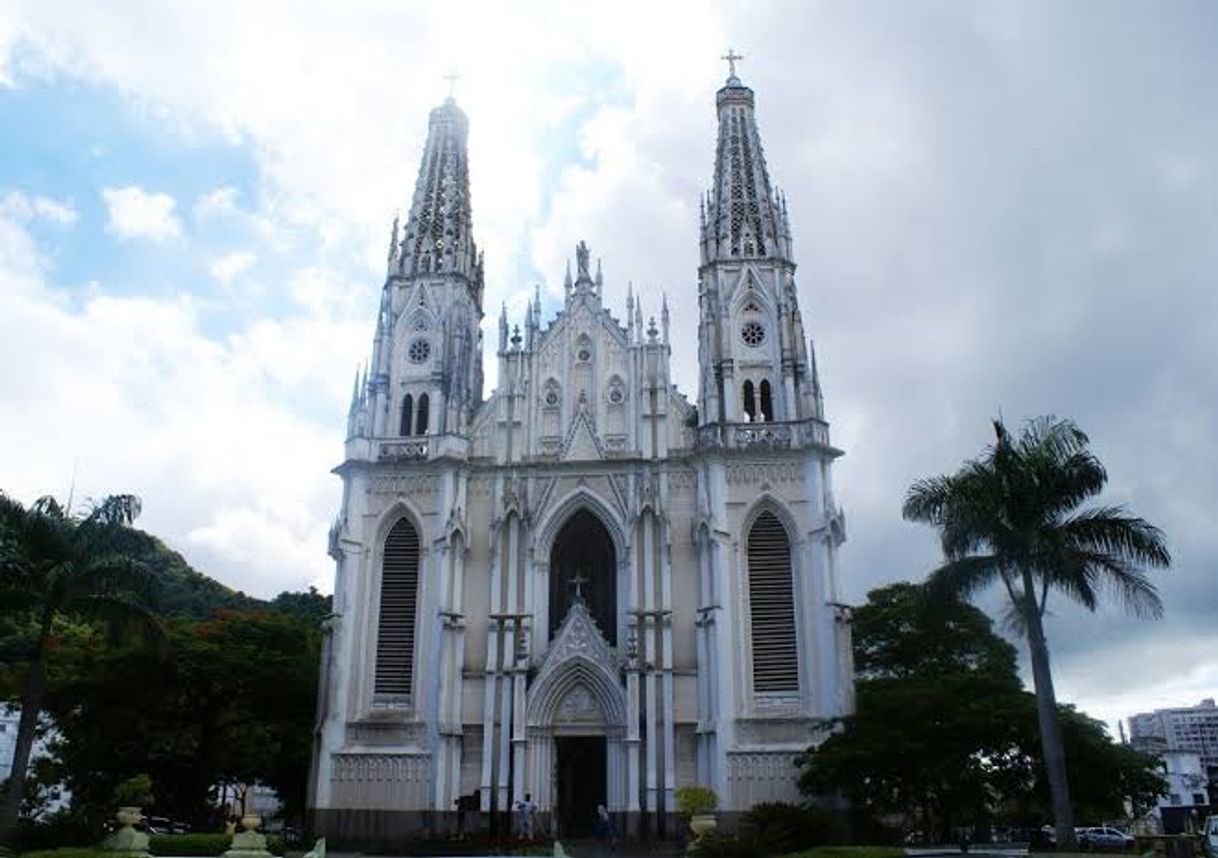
(600, 606)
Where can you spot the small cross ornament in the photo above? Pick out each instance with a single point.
(731, 56)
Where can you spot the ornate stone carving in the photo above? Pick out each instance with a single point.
(758, 472)
(578, 705)
(403, 450)
(381, 767)
(401, 484)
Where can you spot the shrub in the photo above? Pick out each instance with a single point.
(692, 800)
(69, 852)
(779, 828)
(200, 844)
(716, 844)
(62, 829)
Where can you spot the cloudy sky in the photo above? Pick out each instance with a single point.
(998, 208)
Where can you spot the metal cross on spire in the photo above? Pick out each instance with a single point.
(731, 56)
(451, 78)
(578, 583)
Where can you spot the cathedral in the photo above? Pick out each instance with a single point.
(580, 587)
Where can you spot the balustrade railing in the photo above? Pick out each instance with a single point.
(779, 435)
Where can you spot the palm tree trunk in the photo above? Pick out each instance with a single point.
(31, 706)
(1053, 751)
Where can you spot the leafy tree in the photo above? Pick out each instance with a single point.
(938, 724)
(54, 564)
(1012, 516)
(232, 701)
(944, 732)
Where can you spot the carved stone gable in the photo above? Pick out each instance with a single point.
(579, 636)
(582, 443)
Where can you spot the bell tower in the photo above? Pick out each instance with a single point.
(753, 356)
(426, 373)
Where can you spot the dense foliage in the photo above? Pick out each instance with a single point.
(227, 694)
(944, 734)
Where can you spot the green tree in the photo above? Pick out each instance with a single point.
(231, 701)
(55, 564)
(939, 725)
(1012, 516)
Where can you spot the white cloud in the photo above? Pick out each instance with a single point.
(25, 208)
(217, 202)
(213, 434)
(228, 267)
(136, 213)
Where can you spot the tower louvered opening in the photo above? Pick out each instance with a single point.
(396, 626)
(772, 607)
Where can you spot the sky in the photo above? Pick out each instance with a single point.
(999, 209)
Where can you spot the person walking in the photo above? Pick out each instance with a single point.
(525, 813)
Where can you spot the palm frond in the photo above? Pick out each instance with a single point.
(121, 613)
(1129, 582)
(114, 573)
(112, 510)
(1108, 529)
(963, 577)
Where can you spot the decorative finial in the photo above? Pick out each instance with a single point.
(578, 583)
(731, 56)
(451, 79)
(515, 336)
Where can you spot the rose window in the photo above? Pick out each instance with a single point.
(419, 351)
(753, 334)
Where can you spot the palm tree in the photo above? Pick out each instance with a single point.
(55, 564)
(1013, 516)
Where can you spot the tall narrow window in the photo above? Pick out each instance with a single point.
(407, 415)
(767, 402)
(750, 401)
(399, 594)
(772, 607)
(421, 423)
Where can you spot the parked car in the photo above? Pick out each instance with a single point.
(1102, 837)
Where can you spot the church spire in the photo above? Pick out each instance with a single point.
(439, 231)
(743, 217)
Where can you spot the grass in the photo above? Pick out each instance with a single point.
(849, 852)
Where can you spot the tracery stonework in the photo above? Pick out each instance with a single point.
(577, 599)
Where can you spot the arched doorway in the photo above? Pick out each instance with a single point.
(583, 562)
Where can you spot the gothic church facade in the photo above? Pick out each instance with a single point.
(580, 587)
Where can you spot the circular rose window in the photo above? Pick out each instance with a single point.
(616, 395)
(419, 351)
(551, 397)
(753, 334)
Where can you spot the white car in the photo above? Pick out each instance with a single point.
(1102, 837)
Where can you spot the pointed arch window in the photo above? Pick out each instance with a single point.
(421, 423)
(395, 634)
(767, 401)
(750, 402)
(772, 607)
(407, 415)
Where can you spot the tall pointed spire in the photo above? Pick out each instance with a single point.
(439, 230)
(743, 216)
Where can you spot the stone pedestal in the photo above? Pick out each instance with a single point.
(248, 843)
(126, 841)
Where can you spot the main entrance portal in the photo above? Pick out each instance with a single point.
(583, 564)
(580, 783)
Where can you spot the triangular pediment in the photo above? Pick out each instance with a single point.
(578, 637)
(582, 443)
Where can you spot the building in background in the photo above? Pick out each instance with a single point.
(1186, 740)
(581, 588)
